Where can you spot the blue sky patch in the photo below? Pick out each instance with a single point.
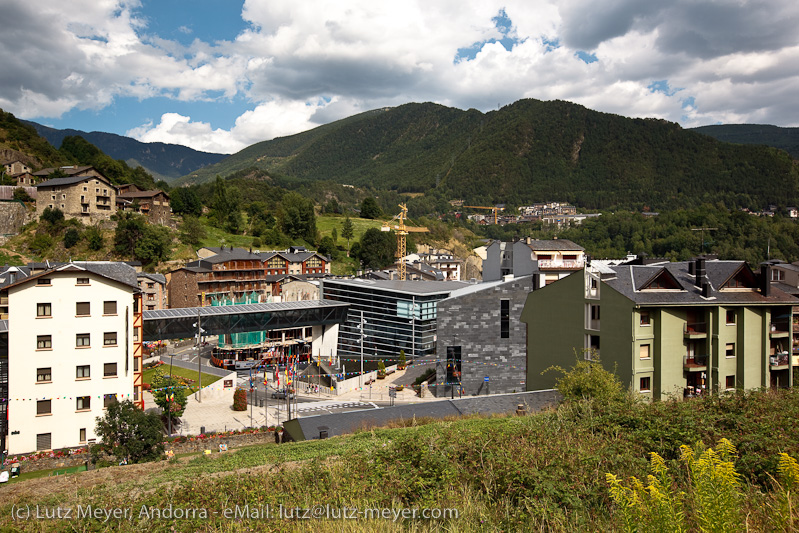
(207, 20)
(586, 57)
(128, 113)
(504, 25)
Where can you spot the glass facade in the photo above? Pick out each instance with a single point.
(396, 317)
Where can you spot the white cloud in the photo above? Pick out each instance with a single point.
(266, 121)
(306, 63)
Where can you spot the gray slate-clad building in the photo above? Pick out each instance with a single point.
(481, 337)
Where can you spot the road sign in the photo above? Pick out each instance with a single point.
(392, 392)
(485, 379)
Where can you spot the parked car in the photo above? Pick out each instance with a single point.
(281, 394)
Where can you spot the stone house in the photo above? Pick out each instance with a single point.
(83, 193)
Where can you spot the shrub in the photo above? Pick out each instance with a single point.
(239, 400)
(95, 238)
(40, 244)
(71, 238)
(52, 216)
(587, 379)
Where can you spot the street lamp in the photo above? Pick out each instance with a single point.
(200, 331)
(169, 396)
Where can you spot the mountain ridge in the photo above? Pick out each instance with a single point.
(526, 151)
(162, 160)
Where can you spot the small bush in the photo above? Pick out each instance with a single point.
(240, 400)
(71, 238)
(52, 216)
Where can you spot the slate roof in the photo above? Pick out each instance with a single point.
(226, 254)
(555, 245)
(114, 270)
(70, 180)
(141, 194)
(17, 272)
(158, 278)
(630, 281)
(343, 423)
(69, 170)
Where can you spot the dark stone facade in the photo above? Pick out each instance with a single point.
(472, 321)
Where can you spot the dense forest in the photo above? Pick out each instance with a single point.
(525, 152)
(783, 138)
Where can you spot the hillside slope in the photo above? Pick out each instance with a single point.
(528, 151)
(783, 138)
(164, 161)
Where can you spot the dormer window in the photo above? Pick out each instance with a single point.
(663, 280)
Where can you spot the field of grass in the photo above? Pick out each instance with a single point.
(541, 472)
(147, 375)
(326, 223)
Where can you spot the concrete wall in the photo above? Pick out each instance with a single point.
(472, 321)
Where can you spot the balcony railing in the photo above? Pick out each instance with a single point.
(780, 359)
(697, 362)
(554, 264)
(695, 329)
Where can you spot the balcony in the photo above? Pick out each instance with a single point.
(694, 363)
(779, 361)
(695, 330)
(555, 264)
(779, 330)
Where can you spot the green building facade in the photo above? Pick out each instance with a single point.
(667, 329)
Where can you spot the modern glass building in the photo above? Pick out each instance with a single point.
(397, 315)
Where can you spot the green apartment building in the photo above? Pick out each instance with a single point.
(668, 329)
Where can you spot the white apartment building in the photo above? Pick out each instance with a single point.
(73, 345)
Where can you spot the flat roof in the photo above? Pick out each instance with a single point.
(420, 288)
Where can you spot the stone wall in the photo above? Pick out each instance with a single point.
(13, 215)
(43, 461)
(472, 321)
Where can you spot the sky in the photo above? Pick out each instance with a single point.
(220, 75)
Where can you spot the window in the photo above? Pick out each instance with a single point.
(82, 435)
(730, 316)
(645, 351)
(83, 403)
(43, 407)
(453, 364)
(109, 370)
(82, 372)
(646, 319)
(108, 399)
(83, 281)
(151, 285)
(110, 307)
(44, 310)
(730, 382)
(43, 375)
(777, 275)
(83, 309)
(645, 384)
(504, 319)
(82, 339)
(43, 441)
(44, 342)
(43, 281)
(110, 338)
(730, 349)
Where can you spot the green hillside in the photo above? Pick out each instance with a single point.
(28, 145)
(525, 152)
(783, 138)
(543, 472)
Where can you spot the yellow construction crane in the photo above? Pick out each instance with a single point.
(494, 209)
(402, 231)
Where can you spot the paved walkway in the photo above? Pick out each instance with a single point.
(215, 412)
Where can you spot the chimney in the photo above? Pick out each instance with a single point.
(700, 271)
(705, 289)
(536, 281)
(691, 268)
(765, 280)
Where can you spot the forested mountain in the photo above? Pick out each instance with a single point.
(525, 152)
(164, 161)
(19, 140)
(783, 138)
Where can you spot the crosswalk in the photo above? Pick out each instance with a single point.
(330, 405)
